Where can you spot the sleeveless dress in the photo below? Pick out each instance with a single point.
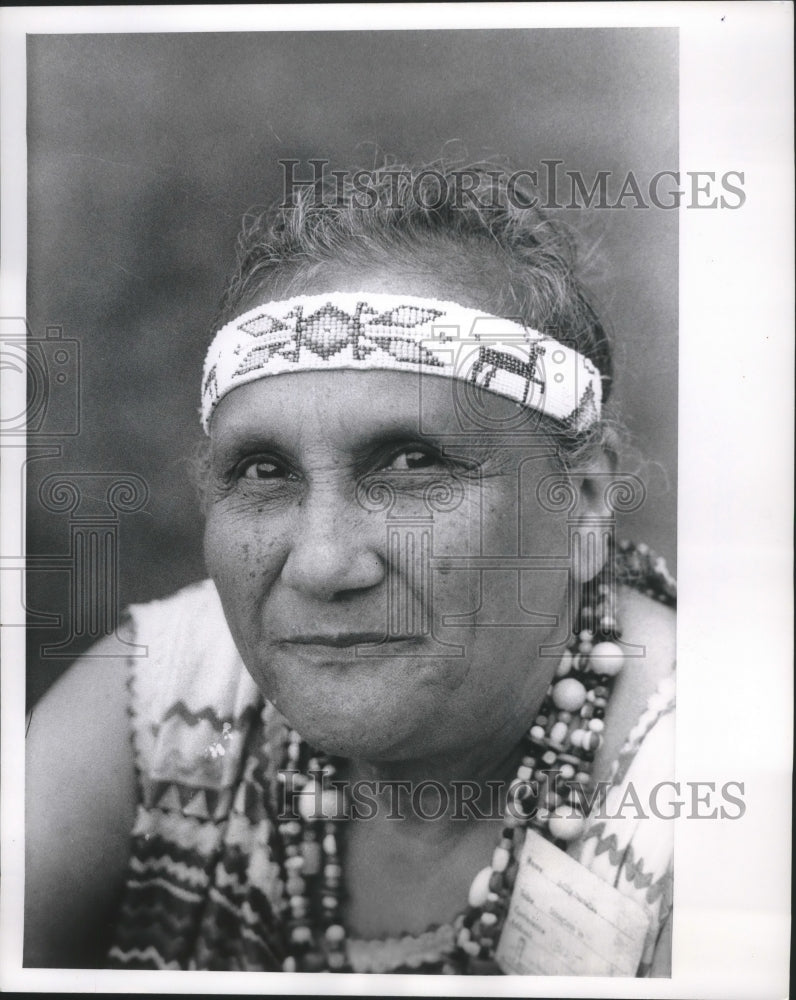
(204, 886)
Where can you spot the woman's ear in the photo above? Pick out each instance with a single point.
(594, 513)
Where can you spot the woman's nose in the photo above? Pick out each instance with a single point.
(334, 550)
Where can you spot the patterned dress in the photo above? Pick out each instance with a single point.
(204, 886)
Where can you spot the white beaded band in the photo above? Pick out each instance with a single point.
(363, 331)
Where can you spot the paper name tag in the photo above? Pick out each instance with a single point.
(564, 920)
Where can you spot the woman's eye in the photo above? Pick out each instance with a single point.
(412, 460)
(262, 469)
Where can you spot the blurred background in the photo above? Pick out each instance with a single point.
(144, 150)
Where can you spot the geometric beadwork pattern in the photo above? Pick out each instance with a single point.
(364, 331)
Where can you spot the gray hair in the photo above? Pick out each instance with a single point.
(420, 217)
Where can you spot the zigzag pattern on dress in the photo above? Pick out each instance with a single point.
(204, 886)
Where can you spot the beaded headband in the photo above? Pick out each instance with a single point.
(363, 331)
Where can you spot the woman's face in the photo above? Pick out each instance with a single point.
(328, 556)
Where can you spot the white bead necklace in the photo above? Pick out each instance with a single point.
(549, 793)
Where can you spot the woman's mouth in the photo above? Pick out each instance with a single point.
(340, 640)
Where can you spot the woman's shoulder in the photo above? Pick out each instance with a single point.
(647, 595)
(646, 614)
(80, 804)
(650, 628)
(84, 771)
(189, 681)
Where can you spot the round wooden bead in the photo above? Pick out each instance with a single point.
(331, 805)
(295, 886)
(607, 658)
(564, 824)
(335, 933)
(592, 741)
(559, 732)
(537, 733)
(596, 725)
(513, 817)
(496, 882)
(565, 665)
(500, 859)
(313, 961)
(311, 851)
(479, 889)
(309, 802)
(569, 694)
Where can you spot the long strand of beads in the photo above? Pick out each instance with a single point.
(552, 792)
(553, 782)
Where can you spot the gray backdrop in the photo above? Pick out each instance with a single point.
(144, 151)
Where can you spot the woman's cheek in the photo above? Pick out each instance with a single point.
(235, 551)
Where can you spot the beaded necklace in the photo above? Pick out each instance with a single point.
(552, 786)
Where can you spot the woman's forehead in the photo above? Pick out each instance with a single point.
(349, 406)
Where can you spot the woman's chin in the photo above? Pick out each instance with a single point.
(389, 732)
(379, 708)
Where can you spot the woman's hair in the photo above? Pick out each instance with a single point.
(471, 226)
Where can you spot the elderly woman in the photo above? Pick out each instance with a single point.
(408, 721)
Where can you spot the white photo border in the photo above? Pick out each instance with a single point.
(732, 899)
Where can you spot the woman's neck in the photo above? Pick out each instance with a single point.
(422, 832)
(431, 793)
